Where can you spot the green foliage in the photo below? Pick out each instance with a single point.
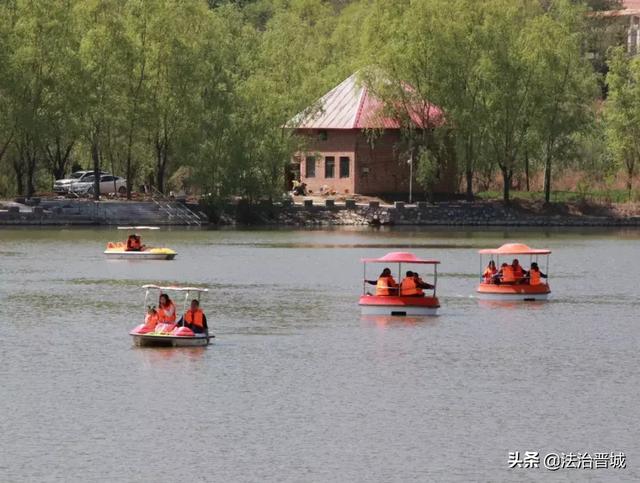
(199, 92)
(622, 113)
(510, 76)
(427, 171)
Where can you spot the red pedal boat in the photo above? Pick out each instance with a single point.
(397, 302)
(518, 288)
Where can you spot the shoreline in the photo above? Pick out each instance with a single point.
(312, 214)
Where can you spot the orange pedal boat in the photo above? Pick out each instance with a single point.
(520, 289)
(399, 304)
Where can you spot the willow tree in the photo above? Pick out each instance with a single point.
(176, 79)
(565, 84)
(622, 112)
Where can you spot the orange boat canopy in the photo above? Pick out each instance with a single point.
(399, 257)
(514, 249)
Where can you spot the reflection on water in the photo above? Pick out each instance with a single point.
(297, 385)
(389, 320)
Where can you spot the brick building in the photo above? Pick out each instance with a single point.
(352, 147)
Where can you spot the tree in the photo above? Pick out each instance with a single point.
(622, 112)
(102, 27)
(565, 84)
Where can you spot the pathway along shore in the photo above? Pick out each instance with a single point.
(317, 213)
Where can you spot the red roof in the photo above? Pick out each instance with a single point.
(629, 8)
(399, 257)
(514, 249)
(352, 105)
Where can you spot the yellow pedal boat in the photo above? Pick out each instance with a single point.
(118, 251)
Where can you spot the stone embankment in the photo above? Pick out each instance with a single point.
(86, 212)
(310, 213)
(459, 213)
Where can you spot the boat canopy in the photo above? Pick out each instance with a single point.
(514, 249)
(400, 257)
(177, 289)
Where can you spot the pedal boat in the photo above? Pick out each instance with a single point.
(170, 335)
(118, 251)
(510, 292)
(399, 305)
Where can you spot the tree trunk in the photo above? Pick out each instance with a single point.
(129, 176)
(160, 168)
(506, 183)
(59, 158)
(28, 153)
(469, 169)
(547, 179)
(18, 169)
(162, 157)
(630, 170)
(95, 155)
(31, 169)
(469, 178)
(526, 171)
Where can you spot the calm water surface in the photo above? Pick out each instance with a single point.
(299, 387)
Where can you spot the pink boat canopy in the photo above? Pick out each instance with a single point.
(514, 249)
(399, 257)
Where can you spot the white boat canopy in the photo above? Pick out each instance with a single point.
(138, 228)
(176, 289)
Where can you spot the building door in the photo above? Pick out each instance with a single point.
(292, 172)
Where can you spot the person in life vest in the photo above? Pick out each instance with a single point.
(534, 276)
(490, 272)
(385, 285)
(151, 319)
(518, 271)
(506, 274)
(134, 243)
(421, 283)
(195, 319)
(409, 286)
(166, 310)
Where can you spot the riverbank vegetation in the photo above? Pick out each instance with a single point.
(197, 94)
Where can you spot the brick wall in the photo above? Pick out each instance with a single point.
(321, 145)
(375, 167)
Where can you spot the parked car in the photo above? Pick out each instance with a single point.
(108, 184)
(63, 185)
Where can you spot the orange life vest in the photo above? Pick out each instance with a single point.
(384, 284)
(133, 244)
(488, 274)
(151, 320)
(518, 272)
(409, 287)
(194, 317)
(507, 274)
(167, 314)
(534, 277)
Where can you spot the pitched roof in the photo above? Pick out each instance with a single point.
(628, 8)
(352, 105)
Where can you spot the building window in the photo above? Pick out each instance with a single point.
(310, 168)
(344, 166)
(329, 167)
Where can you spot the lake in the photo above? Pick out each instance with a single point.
(297, 385)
